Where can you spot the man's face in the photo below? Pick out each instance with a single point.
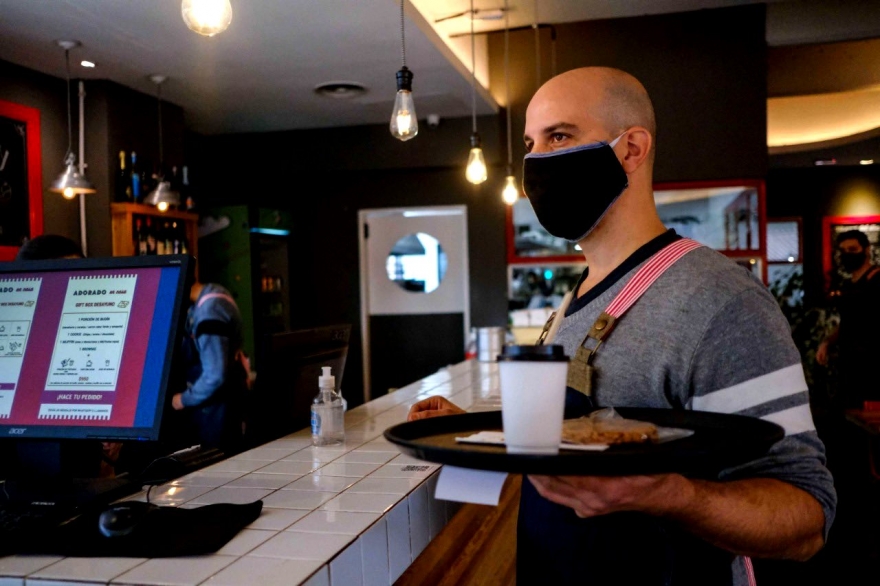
(851, 246)
(556, 120)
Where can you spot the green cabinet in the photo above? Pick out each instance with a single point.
(245, 249)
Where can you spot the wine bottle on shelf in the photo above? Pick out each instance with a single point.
(136, 234)
(141, 239)
(151, 236)
(186, 195)
(175, 243)
(160, 239)
(169, 237)
(135, 179)
(123, 182)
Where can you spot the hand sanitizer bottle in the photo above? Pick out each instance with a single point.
(328, 421)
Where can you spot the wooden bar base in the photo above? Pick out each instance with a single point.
(477, 546)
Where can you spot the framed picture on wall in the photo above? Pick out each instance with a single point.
(727, 215)
(834, 226)
(21, 199)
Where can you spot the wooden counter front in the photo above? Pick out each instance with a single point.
(477, 546)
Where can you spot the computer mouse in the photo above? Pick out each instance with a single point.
(120, 519)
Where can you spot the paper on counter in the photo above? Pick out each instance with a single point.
(466, 485)
(497, 438)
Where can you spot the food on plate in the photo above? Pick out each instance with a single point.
(607, 430)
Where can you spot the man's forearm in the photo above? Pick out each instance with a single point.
(760, 517)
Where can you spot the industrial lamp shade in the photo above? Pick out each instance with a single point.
(206, 17)
(163, 197)
(70, 183)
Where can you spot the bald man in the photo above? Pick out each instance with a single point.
(706, 335)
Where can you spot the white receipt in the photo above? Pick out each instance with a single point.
(466, 485)
(497, 438)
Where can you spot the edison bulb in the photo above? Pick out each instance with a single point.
(207, 17)
(510, 193)
(68, 193)
(404, 124)
(476, 166)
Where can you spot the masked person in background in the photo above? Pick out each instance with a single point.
(705, 335)
(213, 403)
(858, 334)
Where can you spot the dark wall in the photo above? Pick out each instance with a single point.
(48, 95)
(706, 72)
(116, 118)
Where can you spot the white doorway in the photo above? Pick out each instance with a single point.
(415, 292)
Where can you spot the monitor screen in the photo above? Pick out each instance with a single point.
(287, 378)
(86, 345)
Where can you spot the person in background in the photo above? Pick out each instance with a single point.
(216, 378)
(706, 335)
(857, 335)
(49, 246)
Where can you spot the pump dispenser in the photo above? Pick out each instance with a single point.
(328, 422)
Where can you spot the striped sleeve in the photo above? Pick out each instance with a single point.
(747, 364)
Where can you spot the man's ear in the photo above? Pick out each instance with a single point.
(637, 144)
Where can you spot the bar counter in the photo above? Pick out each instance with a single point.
(360, 513)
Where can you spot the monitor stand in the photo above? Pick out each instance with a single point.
(61, 473)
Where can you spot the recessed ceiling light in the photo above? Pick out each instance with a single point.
(85, 63)
(340, 89)
(866, 162)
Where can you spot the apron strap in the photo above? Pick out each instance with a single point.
(581, 371)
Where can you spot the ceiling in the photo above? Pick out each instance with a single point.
(260, 74)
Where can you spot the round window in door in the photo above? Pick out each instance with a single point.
(416, 263)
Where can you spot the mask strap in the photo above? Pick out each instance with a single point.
(614, 142)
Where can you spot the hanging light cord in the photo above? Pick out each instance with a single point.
(507, 86)
(159, 100)
(402, 38)
(537, 49)
(69, 123)
(473, 72)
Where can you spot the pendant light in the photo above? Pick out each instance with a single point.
(206, 17)
(162, 195)
(70, 182)
(404, 124)
(476, 165)
(510, 193)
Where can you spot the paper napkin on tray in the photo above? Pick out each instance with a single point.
(497, 438)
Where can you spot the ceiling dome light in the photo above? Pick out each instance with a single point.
(340, 90)
(207, 17)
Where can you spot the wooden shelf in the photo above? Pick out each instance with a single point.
(123, 217)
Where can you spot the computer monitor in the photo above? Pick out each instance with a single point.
(86, 345)
(288, 366)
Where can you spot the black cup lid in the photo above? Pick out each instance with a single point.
(550, 353)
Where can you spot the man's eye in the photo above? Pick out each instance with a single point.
(557, 137)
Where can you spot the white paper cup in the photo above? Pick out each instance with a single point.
(532, 397)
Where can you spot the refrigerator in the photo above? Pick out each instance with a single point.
(246, 249)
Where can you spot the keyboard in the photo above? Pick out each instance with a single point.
(29, 507)
(22, 523)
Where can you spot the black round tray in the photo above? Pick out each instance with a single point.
(719, 441)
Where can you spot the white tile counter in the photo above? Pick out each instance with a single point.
(350, 515)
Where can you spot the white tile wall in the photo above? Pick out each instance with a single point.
(346, 569)
(418, 520)
(374, 555)
(332, 516)
(399, 554)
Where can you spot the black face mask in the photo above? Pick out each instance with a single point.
(850, 261)
(571, 190)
